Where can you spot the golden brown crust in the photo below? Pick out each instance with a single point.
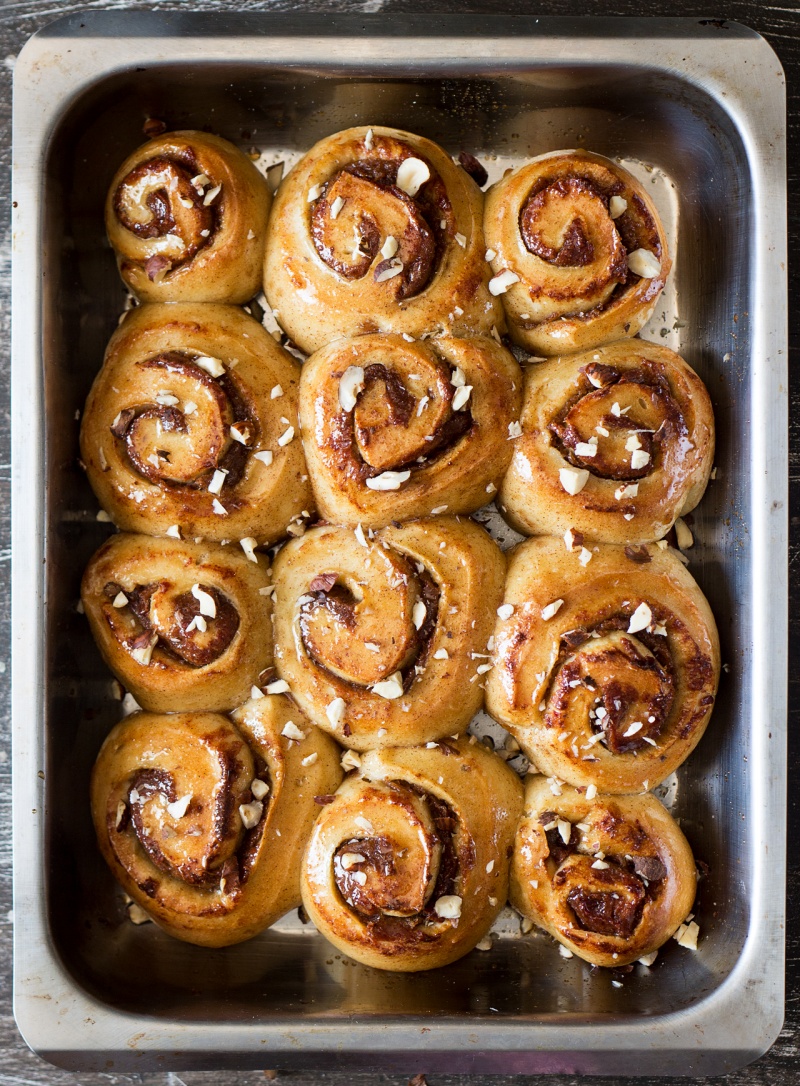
(407, 867)
(380, 404)
(166, 797)
(551, 224)
(381, 641)
(184, 626)
(632, 415)
(606, 673)
(186, 214)
(187, 423)
(326, 271)
(612, 877)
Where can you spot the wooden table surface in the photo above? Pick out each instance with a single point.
(780, 25)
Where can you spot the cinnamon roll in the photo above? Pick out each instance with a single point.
(203, 818)
(606, 662)
(616, 444)
(383, 638)
(377, 230)
(395, 430)
(191, 427)
(580, 254)
(186, 215)
(183, 626)
(407, 867)
(611, 877)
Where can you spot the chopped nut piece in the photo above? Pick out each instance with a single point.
(573, 480)
(390, 688)
(259, 788)
(388, 480)
(291, 731)
(617, 206)
(448, 907)
(551, 609)
(279, 686)
(248, 545)
(412, 175)
(644, 263)
(250, 814)
(640, 619)
(335, 711)
(500, 283)
(506, 610)
(350, 760)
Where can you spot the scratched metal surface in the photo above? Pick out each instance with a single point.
(781, 26)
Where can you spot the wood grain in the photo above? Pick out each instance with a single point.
(780, 24)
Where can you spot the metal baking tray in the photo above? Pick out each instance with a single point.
(700, 102)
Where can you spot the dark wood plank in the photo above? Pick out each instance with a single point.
(780, 24)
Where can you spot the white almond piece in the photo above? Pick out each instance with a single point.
(166, 399)
(211, 195)
(437, 509)
(600, 865)
(461, 240)
(688, 936)
(259, 788)
(286, 437)
(350, 859)
(461, 397)
(179, 808)
(418, 614)
(314, 193)
(237, 435)
(648, 959)
(389, 272)
(291, 731)
(335, 711)
(120, 600)
(278, 686)
(360, 877)
(490, 867)
(617, 206)
(412, 175)
(490, 254)
(564, 951)
(586, 448)
(276, 392)
(361, 538)
(197, 623)
(640, 619)
(174, 531)
(683, 534)
(635, 727)
(459, 378)
(350, 760)
(103, 517)
(551, 609)
(265, 456)
(144, 653)
(628, 491)
(336, 206)
(644, 263)
(639, 459)
(573, 480)
(448, 907)
(441, 654)
(217, 481)
(591, 791)
(250, 814)
(500, 283)
(585, 556)
(248, 545)
(364, 824)
(207, 605)
(485, 943)
(309, 759)
(350, 384)
(256, 693)
(390, 688)
(389, 247)
(212, 366)
(515, 430)
(389, 480)
(564, 829)
(506, 610)
(633, 443)
(368, 140)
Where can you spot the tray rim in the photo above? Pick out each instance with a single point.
(69, 1027)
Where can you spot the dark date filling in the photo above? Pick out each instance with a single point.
(196, 648)
(613, 901)
(340, 602)
(224, 453)
(378, 856)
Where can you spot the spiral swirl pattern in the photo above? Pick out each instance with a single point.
(376, 230)
(605, 673)
(380, 639)
(395, 430)
(182, 625)
(186, 215)
(407, 868)
(616, 444)
(203, 818)
(611, 878)
(192, 422)
(581, 248)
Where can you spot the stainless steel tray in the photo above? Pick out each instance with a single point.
(704, 105)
